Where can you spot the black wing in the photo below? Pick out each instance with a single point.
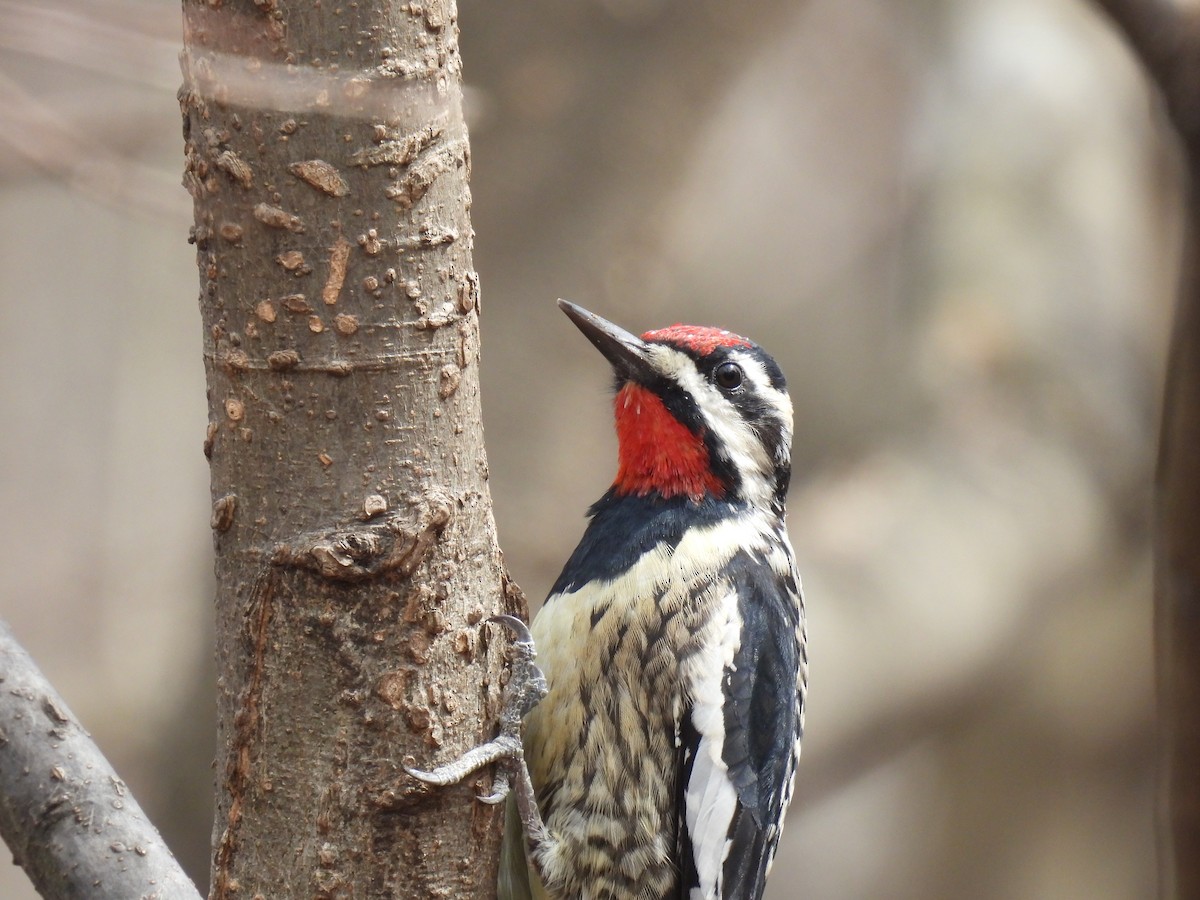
(687, 742)
(735, 807)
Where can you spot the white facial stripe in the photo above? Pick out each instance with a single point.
(735, 435)
(779, 401)
(719, 414)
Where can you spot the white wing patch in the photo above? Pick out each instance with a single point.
(710, 799)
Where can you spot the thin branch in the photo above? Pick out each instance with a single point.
(61, 150)
(67, 817)
(142, 52)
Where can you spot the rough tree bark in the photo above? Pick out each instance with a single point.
(1166, 38)
(356, 553)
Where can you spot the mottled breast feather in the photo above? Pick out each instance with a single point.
(663, 633)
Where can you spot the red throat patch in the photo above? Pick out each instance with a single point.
(697, 338)
(656, 453)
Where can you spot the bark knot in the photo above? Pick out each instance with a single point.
(395, 544)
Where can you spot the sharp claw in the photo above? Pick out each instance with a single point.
(526, 687)
(519, 628)
(421, 775)
(500, 788)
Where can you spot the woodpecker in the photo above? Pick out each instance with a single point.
(662, 759)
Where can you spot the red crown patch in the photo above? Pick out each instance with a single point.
(696, 338)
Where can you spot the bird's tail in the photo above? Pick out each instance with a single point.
(515, 882)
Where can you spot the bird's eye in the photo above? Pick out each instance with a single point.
(728, 376)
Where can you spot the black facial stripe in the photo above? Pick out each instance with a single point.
(680, 404)
(683, 407)
(756, 412)
(762, 417)
(774, 373)
(706, 363)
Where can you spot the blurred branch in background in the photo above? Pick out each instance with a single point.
(1166, 37)
(127, 43)
(61, 151)
(121, 47)
(67, 817)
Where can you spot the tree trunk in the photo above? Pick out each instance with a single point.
(1166, 38)
(356, 555)
(1177, 586)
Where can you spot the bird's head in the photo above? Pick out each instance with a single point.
(700, 412)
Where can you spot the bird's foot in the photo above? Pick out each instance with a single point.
(525, 689)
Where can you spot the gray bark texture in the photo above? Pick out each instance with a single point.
(67, 817)
(356, 554)
(1166, 38)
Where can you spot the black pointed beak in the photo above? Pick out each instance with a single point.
(628, 353)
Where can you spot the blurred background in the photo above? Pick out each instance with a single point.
(952, 221)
